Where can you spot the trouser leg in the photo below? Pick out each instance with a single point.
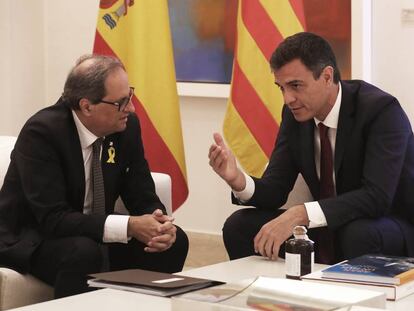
(242, 226)
(132, 255)
(370, 236)
(65, 263)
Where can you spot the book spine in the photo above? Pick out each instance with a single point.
(390, 292)
(404, 290)
(406, 276)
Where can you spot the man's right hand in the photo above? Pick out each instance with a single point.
(223, 162)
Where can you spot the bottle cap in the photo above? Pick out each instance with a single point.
(299, 230)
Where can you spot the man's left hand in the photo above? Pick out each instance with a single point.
(167, 233)
(161, 217)
(164, 240)
(271, 236)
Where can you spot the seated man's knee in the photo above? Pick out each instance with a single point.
(241, 227)
(85, 255)
(359, 237)
(248, 221)
(181, 242)
(234, 223)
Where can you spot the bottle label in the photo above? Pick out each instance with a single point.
(312, 261)
(292, 264)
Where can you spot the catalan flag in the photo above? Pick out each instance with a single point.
(254, 108)
(138, 33)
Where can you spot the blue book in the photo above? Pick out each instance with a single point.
(373, 268)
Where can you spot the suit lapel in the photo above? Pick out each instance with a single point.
(76, 167)
(308, 156)
(345, 125)
(73, 158)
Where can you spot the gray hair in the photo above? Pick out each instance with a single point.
(88, 80)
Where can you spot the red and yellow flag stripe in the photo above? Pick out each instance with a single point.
(255, 104)
(138, 33)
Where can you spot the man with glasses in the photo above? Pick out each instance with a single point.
(70, 164)
(123, 102)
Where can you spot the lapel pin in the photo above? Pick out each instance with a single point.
(111, 153)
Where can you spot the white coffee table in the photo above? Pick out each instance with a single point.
(230, 271)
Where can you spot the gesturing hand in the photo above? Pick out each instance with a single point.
(223, 162)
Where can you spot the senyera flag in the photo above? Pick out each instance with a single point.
(138, 33)
(255, 104)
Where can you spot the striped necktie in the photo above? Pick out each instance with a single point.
(97, 183)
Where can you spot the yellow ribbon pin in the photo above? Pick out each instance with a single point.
(111, 155)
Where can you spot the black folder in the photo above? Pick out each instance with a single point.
(149, 282)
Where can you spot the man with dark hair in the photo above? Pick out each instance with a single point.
(70, 164)
(354, 147)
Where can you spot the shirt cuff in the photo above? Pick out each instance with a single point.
(315, 214)
(247, 193)
(116, 229)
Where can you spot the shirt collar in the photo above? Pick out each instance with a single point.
(86, 137)
(331, 119)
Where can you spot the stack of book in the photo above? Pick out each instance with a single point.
(266, 293)
(391, 275)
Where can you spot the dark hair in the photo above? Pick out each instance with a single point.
(88, 81)
(312, 50)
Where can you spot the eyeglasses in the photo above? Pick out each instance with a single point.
(122, 103)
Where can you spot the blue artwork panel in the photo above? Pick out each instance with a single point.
(203, 33)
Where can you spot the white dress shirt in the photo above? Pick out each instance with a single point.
(315, 213)
(115, 228)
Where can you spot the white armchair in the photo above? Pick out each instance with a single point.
(18, 290)
(162, 188)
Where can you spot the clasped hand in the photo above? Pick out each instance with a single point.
(155, 230)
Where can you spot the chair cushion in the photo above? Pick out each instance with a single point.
(18, 290)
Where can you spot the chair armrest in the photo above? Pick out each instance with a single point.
(162, 189)
(18, 290)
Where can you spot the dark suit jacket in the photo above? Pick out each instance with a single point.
(44, 188)
(374, 161)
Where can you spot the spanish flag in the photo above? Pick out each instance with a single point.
(254, 108)
(138, 33)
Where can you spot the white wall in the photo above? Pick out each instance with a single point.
(393, 51)
(70, 32)
(208, 204)
(22, 56)
(5, 61)
(41, 39)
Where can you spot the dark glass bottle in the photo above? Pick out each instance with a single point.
(299, 254)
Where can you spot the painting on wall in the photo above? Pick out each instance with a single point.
(204, 35)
